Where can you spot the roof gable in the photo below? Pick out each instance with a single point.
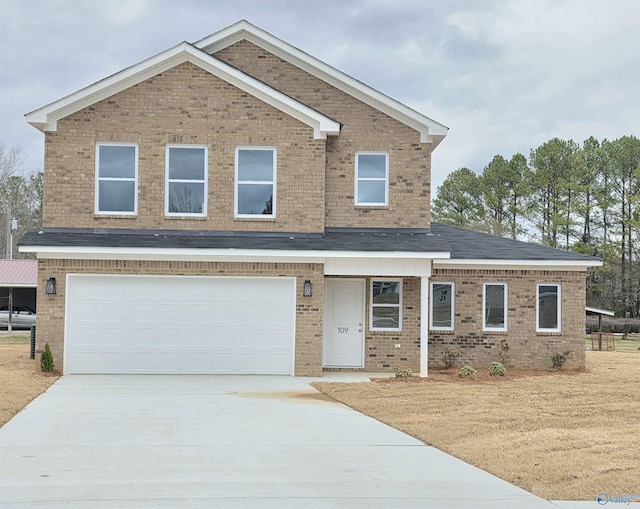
(46, 118)
(430, 130)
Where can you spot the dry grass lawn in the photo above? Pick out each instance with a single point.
(559, 435)
(20, 379)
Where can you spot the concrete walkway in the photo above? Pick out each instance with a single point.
(225, 441)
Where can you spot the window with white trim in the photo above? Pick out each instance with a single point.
(255, 182)
(442, 306)
(372, 179)
(116, 178)
(186, 185)
(386, 305)
(494, 307)
(548, 308)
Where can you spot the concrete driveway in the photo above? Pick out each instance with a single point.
(224, 441)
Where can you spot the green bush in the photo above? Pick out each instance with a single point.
(403, 372)
(467, 371)
(497, 369)
(46, 360)
(558, 360)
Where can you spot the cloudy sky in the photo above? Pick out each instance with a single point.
(504, 75)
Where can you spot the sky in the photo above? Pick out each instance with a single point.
(504, 75)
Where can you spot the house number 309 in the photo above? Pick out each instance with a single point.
(343, 330)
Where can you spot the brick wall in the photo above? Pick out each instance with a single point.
(527, 348)
(363, 129)
(309, 310)
(184, 105)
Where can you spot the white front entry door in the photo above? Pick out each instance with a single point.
(343, 345)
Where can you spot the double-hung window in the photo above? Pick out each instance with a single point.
(186, 186)
(116, 178)
(372, 179)
(255, 182)
(442, 306)
(386, 304)
(548, 309)
(494, 307)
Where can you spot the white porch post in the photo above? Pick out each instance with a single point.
(424, 326)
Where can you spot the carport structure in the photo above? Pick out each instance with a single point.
(18, 283)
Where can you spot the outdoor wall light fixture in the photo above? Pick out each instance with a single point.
(51, 286)
(307, 289)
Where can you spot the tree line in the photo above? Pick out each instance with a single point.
(584, 199)
(20, 199)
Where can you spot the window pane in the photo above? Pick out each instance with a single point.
(371, 191)
(548, 307)
(386, 317)
(255, 199)
(386, 292)
(186, 198)
(116, 161)
(186, 163)
(372, 165)
(255, 165)
(441, 305)
(494, 306)
(116, 196)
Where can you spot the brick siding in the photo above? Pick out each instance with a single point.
(309, 310)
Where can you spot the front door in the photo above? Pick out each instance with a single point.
(343, 345)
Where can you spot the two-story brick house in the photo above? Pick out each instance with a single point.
(237, 206)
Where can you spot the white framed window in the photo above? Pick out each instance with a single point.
(386, 305)
(186, 180)
(548, 308)
(372, 179)
(255, 182)
(494, 307)
(116, 178)
(442, 306)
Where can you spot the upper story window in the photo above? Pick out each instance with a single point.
(494, 307)
(386, 304)
(186, 186)
(255, 182)
(372, 178)
(116, 178)
(548, 315)
(442, 306)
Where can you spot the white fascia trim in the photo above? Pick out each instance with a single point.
(46, 118)
(20, 285)
(577, 265)
(430, 130)
(131, 253)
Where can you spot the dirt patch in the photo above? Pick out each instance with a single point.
(315, 396)
(560, 435)
(20, 379)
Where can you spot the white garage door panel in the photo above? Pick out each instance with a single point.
(154, 324)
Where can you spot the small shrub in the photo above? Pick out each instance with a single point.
(559, 359)
(449, 358)
(46, 360)
(504, 352)
(467, 371)
(497, 369)
(403, 372)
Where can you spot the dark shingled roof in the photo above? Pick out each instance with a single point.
(471, 245)
(334, 239)
(462, 244)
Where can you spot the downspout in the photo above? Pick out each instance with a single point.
(424, 321)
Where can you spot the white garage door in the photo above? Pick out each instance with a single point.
(167, 324)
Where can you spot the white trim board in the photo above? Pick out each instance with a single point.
(430, 130)
(46, 117)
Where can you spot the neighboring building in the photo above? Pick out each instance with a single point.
(237, 206)
(18, 281)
